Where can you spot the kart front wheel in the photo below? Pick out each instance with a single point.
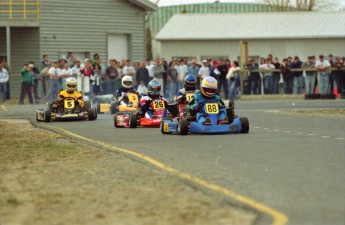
(92, 113)
(113, 109)
(245, 125)
(133, 121)
(47, 115)
(182, 127)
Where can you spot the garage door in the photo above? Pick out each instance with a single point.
(117, 46)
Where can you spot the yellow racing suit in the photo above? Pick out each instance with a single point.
(78, 96)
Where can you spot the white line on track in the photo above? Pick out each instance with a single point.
(298, 133)
(276, 130)
(266, 128)
(340, 138)
(325, 136)
(256, 127)
(311, 134)
(287, 131)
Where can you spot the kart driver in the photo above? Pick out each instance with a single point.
(205, 96)
(70, 92)
(185, 95)
(154, 88)
(121, 93)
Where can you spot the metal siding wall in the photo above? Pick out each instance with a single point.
(2, 41)
(82, 26)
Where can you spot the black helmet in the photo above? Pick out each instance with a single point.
(190, 82)
(154, 89)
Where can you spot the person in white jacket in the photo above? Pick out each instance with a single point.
(233, 76)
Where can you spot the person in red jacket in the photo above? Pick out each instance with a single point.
(87, 71)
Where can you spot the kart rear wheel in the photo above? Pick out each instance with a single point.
(115, 121)
(99, 108)
(92, 113)
(182, 127)
(133, 121)
(245, 125)
(47, 115)
(113, 108)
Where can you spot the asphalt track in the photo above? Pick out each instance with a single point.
(294, 164)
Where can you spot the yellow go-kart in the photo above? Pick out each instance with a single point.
(128, 103)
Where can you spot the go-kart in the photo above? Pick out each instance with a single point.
(113, 105)
(66, 111)
(188, 124)
(134, 119)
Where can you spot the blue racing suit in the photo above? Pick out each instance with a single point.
(196, 107)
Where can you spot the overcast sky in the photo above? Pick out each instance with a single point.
(177, 2)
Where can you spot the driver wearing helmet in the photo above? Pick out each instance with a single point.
(185, 94)
(207, 95)
(154, 88)
(70, 92)
(121, 93)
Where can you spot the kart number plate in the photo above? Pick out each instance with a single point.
(166, 127)
(211, 108)
(189, 97)
(104, 108)
(158, 105)
(69, 104)
(133, 98)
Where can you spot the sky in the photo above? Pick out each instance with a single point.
(340, 3)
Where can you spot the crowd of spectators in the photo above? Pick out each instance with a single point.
(268, 76)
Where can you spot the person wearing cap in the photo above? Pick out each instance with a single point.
(204, 71)
(55, 74)
(298, 79)
(27, 84)
(323, 78)
(310, 75)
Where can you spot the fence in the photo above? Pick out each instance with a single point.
(20, 9)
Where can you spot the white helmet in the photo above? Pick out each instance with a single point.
(71, 84)
(127, 82)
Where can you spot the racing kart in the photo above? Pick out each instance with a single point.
(187, 123)
(109, 103)
(137, 118)
(67, 111)
(105, 103)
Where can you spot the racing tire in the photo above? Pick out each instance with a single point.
(182, 127)
(115, 121)
(47, 115)
(133, 121)
(113, 108)
(87, 104)
(245, 125)
(92, 113)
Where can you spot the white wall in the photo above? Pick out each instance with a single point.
(279, 48)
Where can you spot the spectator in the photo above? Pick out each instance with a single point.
(36, 75)
(276, 76)
(331, 75)
(287, 76)
(55, 74)
(87, 71)
(43, 65)
(66, 73)
(323, 78)
(128, 70)
(339, 74)
(262, 61)
(289, 60)
(142, 89)
(96, 60)
(158, 72)
(4, 77)
(119, 68)
(194, 69)
(204, 71)
(136, 66)
(182, 72)
(98, 79)
(111, 74)
(8, 91)
(166, 66)
(213, 69)
(70, 57)
(172, 80)
(267, 73)
(149, 67)
(254, 76)
(298, 79)
(143, 74)
(232, 76)
(310, 75)
(222, 71)
(27, 84)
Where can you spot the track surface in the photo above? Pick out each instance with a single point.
(292, 163)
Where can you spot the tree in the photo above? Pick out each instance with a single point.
(298, 5)
(149, 34)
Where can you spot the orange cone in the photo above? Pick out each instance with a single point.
(335, 91)
(316, 90)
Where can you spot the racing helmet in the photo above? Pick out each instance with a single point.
(154, 89)
(190, 82)
(209, 87)
(127, 81)
(71, 84)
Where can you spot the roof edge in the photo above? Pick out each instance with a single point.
(246, 38)
(144, 4)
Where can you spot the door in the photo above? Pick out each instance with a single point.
(117, 46)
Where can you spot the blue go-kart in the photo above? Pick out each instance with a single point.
(188, 124)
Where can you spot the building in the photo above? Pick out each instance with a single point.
(111, 28)
(282, 34)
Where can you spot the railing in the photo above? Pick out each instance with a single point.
(25, 7)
